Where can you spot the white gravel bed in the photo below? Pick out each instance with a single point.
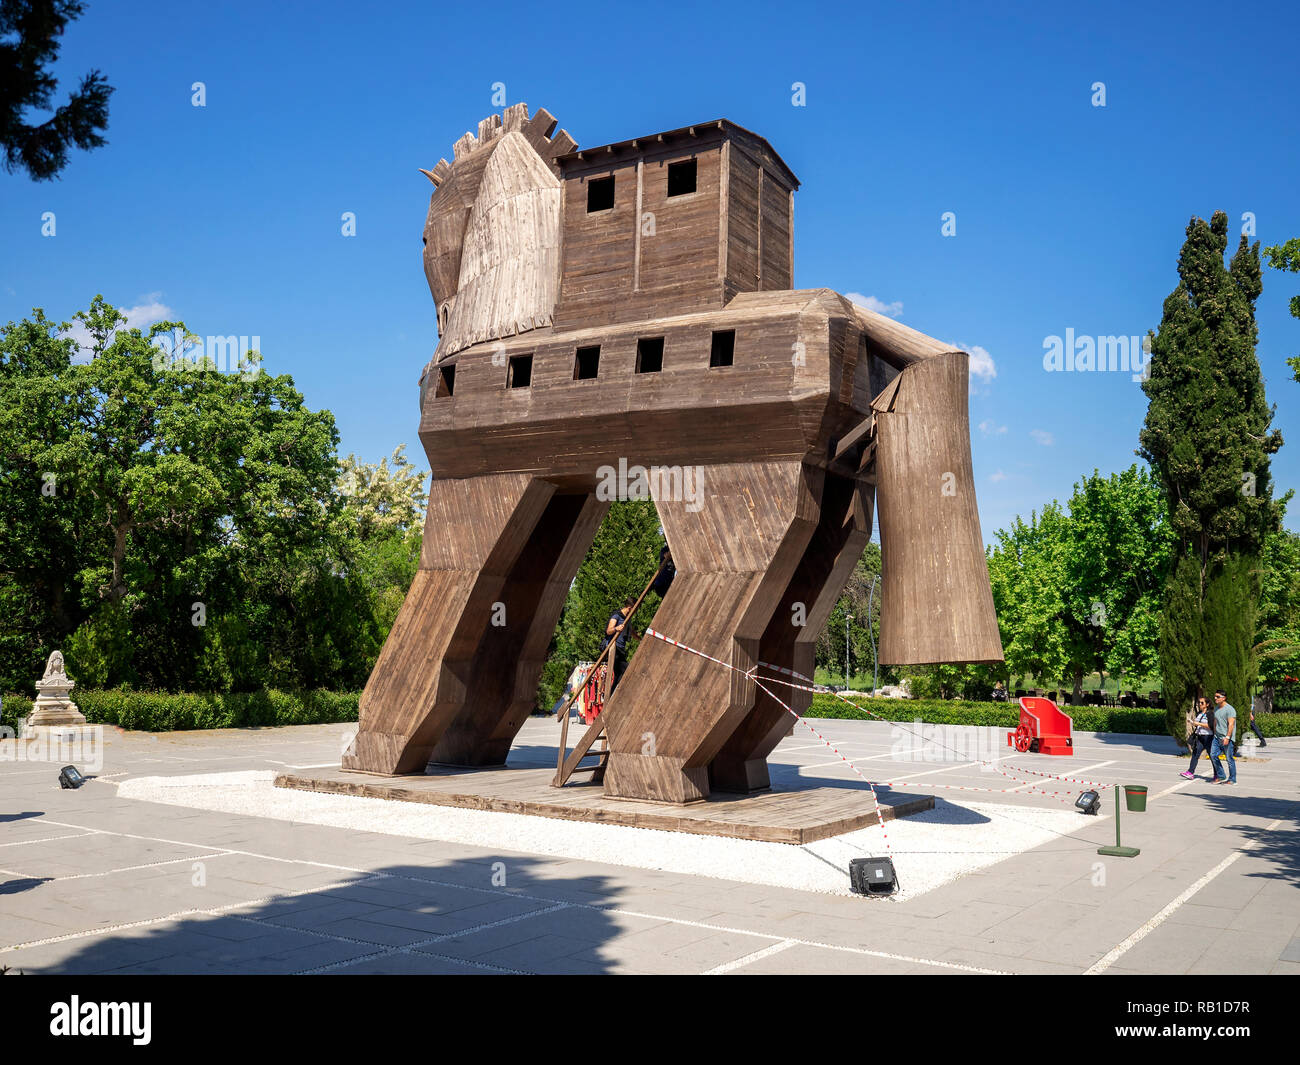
(929, 849)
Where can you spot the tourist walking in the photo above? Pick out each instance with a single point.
(1255, 728)
(1200, 735)
(1225, 727)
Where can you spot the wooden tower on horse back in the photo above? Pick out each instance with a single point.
(630, 306)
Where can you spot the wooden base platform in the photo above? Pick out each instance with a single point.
(793, 815)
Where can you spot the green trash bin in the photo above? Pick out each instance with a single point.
(1135, 797)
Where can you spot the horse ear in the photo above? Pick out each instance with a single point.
(439, 173)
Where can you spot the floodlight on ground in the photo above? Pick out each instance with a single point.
(1088, 803)
(70, 777)
(872, 876)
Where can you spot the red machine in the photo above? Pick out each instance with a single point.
(1044, 729)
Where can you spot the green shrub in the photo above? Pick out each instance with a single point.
(186, 711)
(168, 712)
(16, 707)
(1139, 721)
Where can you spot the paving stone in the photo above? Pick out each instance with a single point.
(1036, 912)
(408, 964)
(357, 928)
(1001, 963)
(322, 915)
(800, 960)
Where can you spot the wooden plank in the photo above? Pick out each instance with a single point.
(795, 817)
(936, 601)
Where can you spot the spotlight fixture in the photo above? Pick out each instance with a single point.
(872, 876)
(1088, 803)
(70, 777)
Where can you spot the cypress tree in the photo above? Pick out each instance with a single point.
(1208, 441)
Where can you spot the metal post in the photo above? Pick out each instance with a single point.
(847, 619)
(875, 662)
(1119, 850)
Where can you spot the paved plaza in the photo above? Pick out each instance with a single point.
(95, 882)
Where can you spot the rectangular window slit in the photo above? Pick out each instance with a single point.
(723, 351)
(586, 364)
(681, 178)
(600, 194)
(446, 380)
(649, 354)
(520, 373)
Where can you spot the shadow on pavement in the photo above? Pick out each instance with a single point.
(26, 883)
(397, 920)
(1281, 847)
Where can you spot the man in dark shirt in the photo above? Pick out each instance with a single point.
(616, 630)
(667, 571)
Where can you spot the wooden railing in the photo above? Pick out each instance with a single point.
(565, 766)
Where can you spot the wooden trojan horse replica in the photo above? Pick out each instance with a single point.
(631, 306)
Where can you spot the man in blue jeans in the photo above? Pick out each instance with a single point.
(1225, 727)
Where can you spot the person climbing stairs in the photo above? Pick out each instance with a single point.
(603, 676)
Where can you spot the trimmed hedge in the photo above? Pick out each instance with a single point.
(16, 707)
(167, 712)
(1137, 721)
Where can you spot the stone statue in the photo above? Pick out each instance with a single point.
(53, 705)
(54, 669)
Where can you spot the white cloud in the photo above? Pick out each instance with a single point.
(890, 310)
(998, 476)
(1043, 437)
(145, 314)
(141, 316)
(990, 428)
(981, 362)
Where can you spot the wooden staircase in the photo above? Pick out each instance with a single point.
(569, 764)
(585, 748)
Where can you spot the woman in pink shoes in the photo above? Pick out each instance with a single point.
(1200, 735)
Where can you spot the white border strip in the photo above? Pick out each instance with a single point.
(1110, 959)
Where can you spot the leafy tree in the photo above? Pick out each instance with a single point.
(29, 32)
(1287, 257)
(44, 528)
(1208, 441)
(1277, 633)
(862, 604)
(1027, 572)
(180, 527)
(1079, 590)
(1116, 566)
(380, 498)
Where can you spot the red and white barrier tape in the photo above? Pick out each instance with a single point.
(817, 689)
(1060, 796)
(880, 820)
(787, 672)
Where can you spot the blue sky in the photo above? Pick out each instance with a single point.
(1068, 215)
